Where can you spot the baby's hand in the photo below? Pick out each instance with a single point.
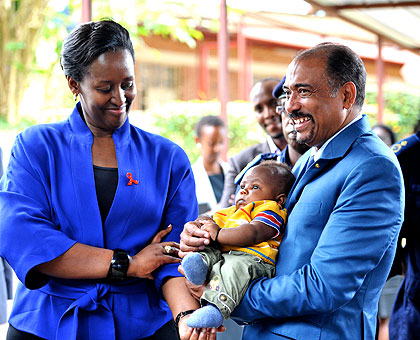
(211, 227)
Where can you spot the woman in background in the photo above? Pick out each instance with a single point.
(209, 171)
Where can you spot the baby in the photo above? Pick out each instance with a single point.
(245, 241)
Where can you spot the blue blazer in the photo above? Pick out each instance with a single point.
(345, 214)
(48, 203)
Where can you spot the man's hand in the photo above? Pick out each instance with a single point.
(193, 238)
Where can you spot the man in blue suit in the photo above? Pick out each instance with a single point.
(344, 211)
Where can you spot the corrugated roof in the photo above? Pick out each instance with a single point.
(394, 21)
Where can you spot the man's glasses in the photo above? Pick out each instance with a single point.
(281, 102)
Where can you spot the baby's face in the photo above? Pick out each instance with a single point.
(256, 186)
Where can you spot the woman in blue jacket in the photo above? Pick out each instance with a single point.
(92, 208)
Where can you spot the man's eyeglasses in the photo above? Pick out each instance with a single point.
(281, 102)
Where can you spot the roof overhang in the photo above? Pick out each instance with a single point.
(394, 21)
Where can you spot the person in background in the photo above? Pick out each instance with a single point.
(209, 171)
(385, 133)
(390, 289)
(86, 204)
(405, 317)
(345, 211)
(265, 112)
(293, 150)
(6, 274)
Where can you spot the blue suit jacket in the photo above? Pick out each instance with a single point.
(345, 213)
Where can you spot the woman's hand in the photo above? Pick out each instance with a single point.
(187, 333)
(153, 256)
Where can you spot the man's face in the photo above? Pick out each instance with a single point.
(317, 115)
(265, 108)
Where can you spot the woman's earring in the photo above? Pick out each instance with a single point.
(75, 97)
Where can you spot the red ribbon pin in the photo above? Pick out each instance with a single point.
(131, 180)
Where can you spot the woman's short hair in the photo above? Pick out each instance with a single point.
(90, 40)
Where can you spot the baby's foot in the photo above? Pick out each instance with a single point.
(195, 268)
(206, 317)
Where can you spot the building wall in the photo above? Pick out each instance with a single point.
(167, 70)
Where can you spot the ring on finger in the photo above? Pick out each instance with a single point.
(167, 249)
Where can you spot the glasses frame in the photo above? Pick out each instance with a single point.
(281, 103)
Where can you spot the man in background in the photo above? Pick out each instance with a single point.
(265, 112)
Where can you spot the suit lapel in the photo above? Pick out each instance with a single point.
(335, 150)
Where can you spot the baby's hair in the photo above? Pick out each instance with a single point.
(281, 174)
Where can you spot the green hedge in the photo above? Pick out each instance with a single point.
(402, 111)
(176, 121)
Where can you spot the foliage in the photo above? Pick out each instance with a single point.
(401, 113)
(31, 35)
(20, 26)
(176, 121)
(22, 125)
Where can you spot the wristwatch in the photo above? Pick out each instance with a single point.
(119, 265)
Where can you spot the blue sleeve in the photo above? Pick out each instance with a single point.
(361, 227)
(181, 206)
(28, 216)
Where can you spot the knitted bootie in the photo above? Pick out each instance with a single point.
(206, 317)
(195, 268)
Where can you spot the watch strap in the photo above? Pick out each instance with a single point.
(119, 266)
(182, 314)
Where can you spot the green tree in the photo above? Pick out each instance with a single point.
(401, 113)
(20, 27)
(176, 121)
(23, 24)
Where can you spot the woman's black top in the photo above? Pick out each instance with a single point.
(106, 181)
(217, 182)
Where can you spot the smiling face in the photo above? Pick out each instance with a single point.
(265, 108)
(257, 185)
(317, 115)
(107, 91)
